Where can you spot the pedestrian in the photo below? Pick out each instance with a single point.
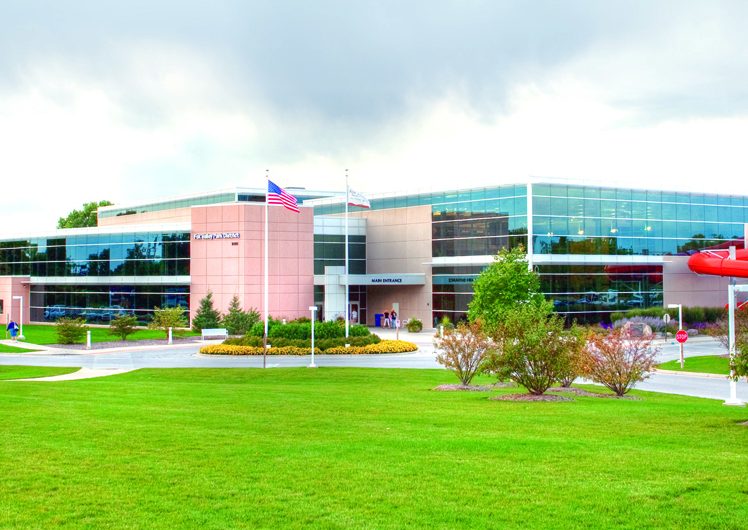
(354, 316)
(393, 317)
(386, 323)
(13, 329)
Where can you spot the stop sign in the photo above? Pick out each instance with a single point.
(681, 336)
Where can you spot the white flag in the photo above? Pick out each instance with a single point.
(357, 199)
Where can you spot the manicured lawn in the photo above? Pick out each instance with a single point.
(47, 334)
(13, 349)
(359, 448)
(706, 364)
(22, 372)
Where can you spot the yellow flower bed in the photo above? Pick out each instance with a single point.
(385, 346)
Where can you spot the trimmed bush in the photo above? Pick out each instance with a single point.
(414, 325)
(70, 330)
(123, 326)
(323, 344)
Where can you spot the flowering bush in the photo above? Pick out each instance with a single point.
(619, 359)
(657, 324)
(463, 350)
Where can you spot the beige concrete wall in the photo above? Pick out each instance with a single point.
(177, 215)
(228, 267)
(399, 241)
(682, 286)
(11, 286)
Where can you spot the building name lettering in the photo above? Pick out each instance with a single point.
(218, 235)
(386, 280)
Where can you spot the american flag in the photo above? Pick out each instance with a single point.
(277, 195)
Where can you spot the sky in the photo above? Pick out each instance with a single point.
(141, 100)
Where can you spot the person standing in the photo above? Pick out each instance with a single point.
(12, 329)
(386, 323)
(393, 318)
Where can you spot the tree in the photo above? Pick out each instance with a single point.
(170, 317)
(123, 326)
(206, 316)
(534, 350)
(70, 330)
(619, 359)
(499, 289)
(237, 321)
(739, 363)
(83, 217)
(463, 350)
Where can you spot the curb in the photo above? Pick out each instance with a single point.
(691, 374)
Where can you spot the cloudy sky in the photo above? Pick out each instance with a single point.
(137, 100)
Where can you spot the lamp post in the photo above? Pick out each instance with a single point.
(20, 320)
(680, 327)
(313, 309)
(732, 288)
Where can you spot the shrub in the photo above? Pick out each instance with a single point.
(534, 350)
(292, 331)
(322, 344)
(619, 359)
(238, 321)
(206, 316)
(463, 350)
(414, 325)
(70, 330)
(123, 326)
(356, 330)
(169, 317)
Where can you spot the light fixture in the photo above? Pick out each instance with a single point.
(580, 232)
(613, 230)
(648, 228)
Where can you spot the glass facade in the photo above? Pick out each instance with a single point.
(329, 250)
(101, 303)
(589, 220)
(126, 254)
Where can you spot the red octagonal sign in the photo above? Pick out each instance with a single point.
(681, 336)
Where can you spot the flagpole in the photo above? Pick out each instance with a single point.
(347, 301)
(265, 290)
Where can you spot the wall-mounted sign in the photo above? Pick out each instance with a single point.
(445, 280)
(385, 279)
(218, 235)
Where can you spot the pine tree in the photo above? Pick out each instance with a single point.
(237, 321)
(206, 316)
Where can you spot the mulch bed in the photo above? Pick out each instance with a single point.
(473, 388)
(580, 392)
(530, 397)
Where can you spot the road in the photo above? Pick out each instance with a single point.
(187, 356)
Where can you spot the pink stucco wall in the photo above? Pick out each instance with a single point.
(228, 267)
(11, 286)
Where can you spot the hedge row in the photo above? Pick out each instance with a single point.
(302, 329)
(691, 315)
(385, 346)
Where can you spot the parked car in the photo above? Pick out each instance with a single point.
(54, 312)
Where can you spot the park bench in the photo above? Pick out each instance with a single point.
(215, 333)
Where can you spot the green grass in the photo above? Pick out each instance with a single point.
(13, 349)
(706, 364)
(22, 372)
(47, 334)
(359, 448)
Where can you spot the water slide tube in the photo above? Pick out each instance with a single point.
(716, 263)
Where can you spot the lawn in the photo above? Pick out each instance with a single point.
(13, 349)
(47, 334)
(706, 364)
(359, 448)
(22, 372)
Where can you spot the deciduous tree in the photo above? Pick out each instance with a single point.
(82, 218)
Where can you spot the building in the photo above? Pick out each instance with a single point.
(597, 250)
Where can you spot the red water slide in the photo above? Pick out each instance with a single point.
(715, 262)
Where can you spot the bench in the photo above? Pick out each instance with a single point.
(221, 333)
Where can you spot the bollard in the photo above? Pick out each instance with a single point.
(441, 331)
(88, 339)
(170, 336)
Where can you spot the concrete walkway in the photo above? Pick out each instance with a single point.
(83, 373)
